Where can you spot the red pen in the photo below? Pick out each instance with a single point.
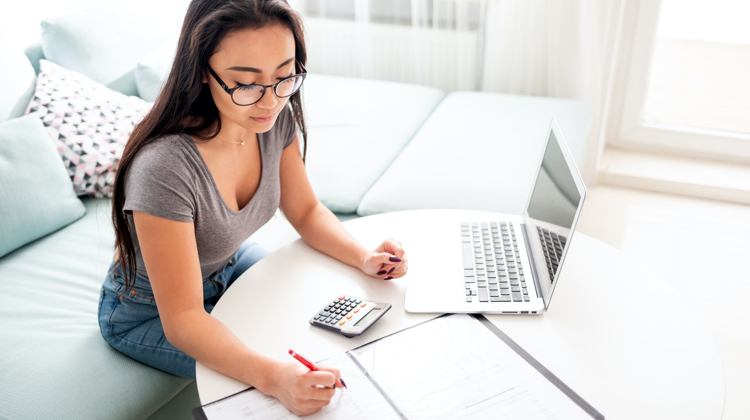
(310, 366)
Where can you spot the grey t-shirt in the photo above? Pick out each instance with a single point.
(168, 178)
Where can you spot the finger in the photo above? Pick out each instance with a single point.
(384, 268)
(389, 260)
(313, 392)
(320, 394)
(390, 246)
(394, 247)
(399, 252)
(399, 272)
(398, 265)
(325, 377)
(386, 259)
(387, 269)
(336, 374)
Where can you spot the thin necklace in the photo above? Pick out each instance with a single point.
(241, 143)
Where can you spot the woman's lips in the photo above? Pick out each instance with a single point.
(263, 120)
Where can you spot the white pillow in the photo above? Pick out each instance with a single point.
(17, 78)
(88, 123)
(152, 71)
(106, 41)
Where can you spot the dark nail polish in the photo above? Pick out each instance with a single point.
(381, 272)
(342, 381)
(388, 278)
(391, 270)
(395, 259)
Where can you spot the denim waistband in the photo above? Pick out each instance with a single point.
(141, 291)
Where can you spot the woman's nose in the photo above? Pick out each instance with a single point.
(269, 100)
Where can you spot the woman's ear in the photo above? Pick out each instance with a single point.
(205, 78)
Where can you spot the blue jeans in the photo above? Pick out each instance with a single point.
(131, 324)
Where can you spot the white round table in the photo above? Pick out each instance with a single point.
(617, 334)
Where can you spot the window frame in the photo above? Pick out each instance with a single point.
(633, 133)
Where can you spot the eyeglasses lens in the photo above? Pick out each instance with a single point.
(288, 87)
(248, 94)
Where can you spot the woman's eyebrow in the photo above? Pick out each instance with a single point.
(289, 60)
(254, 70)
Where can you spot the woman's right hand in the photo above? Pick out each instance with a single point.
(301, 390)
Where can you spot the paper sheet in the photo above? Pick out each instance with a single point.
(361, 401)
(455, 368)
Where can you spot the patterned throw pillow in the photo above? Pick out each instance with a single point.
(88, 122)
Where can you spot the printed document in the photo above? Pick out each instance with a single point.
(456, 368)
(452, 367)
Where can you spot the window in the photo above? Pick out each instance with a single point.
(688, 89)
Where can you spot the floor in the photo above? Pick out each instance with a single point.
(702, 247)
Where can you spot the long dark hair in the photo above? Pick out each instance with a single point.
(185, 105)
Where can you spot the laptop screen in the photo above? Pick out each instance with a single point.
(552, 210)
(555, 197)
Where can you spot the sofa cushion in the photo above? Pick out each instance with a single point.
(34, 53)
(152, 71)
(477, 151)
(36, 196)
(55, 363)
(88, 123)
(18, 79)
(105, 43)
(356, 128)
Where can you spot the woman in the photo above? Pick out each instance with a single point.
(209, 165)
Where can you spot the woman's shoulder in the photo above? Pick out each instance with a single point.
(172, 149)
(166, 144)
(166, 157)
(160, 180)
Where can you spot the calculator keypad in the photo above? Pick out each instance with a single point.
(338, 311)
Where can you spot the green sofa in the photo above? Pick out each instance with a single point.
(374, 147)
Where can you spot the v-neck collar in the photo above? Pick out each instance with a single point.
(261, 182)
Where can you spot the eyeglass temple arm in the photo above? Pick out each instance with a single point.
(304, 70)
(218, 79)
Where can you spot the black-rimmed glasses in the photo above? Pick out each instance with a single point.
(244, 95)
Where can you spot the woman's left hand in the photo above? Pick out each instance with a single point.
(388, 261)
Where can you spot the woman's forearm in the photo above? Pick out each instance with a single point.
(210, 342)
(322, 230)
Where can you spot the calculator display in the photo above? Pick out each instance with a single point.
(367, 317)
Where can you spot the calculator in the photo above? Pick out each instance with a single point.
(349, 315)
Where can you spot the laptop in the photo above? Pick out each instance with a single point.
(509, 264)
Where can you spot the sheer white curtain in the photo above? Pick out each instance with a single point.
(557, 48)
(534, 47)
(554, 48)
(543, 47)
(430, 42)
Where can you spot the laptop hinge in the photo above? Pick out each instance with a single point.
(532, 261)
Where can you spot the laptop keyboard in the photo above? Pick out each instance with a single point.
(553, 245)
(492, 264)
